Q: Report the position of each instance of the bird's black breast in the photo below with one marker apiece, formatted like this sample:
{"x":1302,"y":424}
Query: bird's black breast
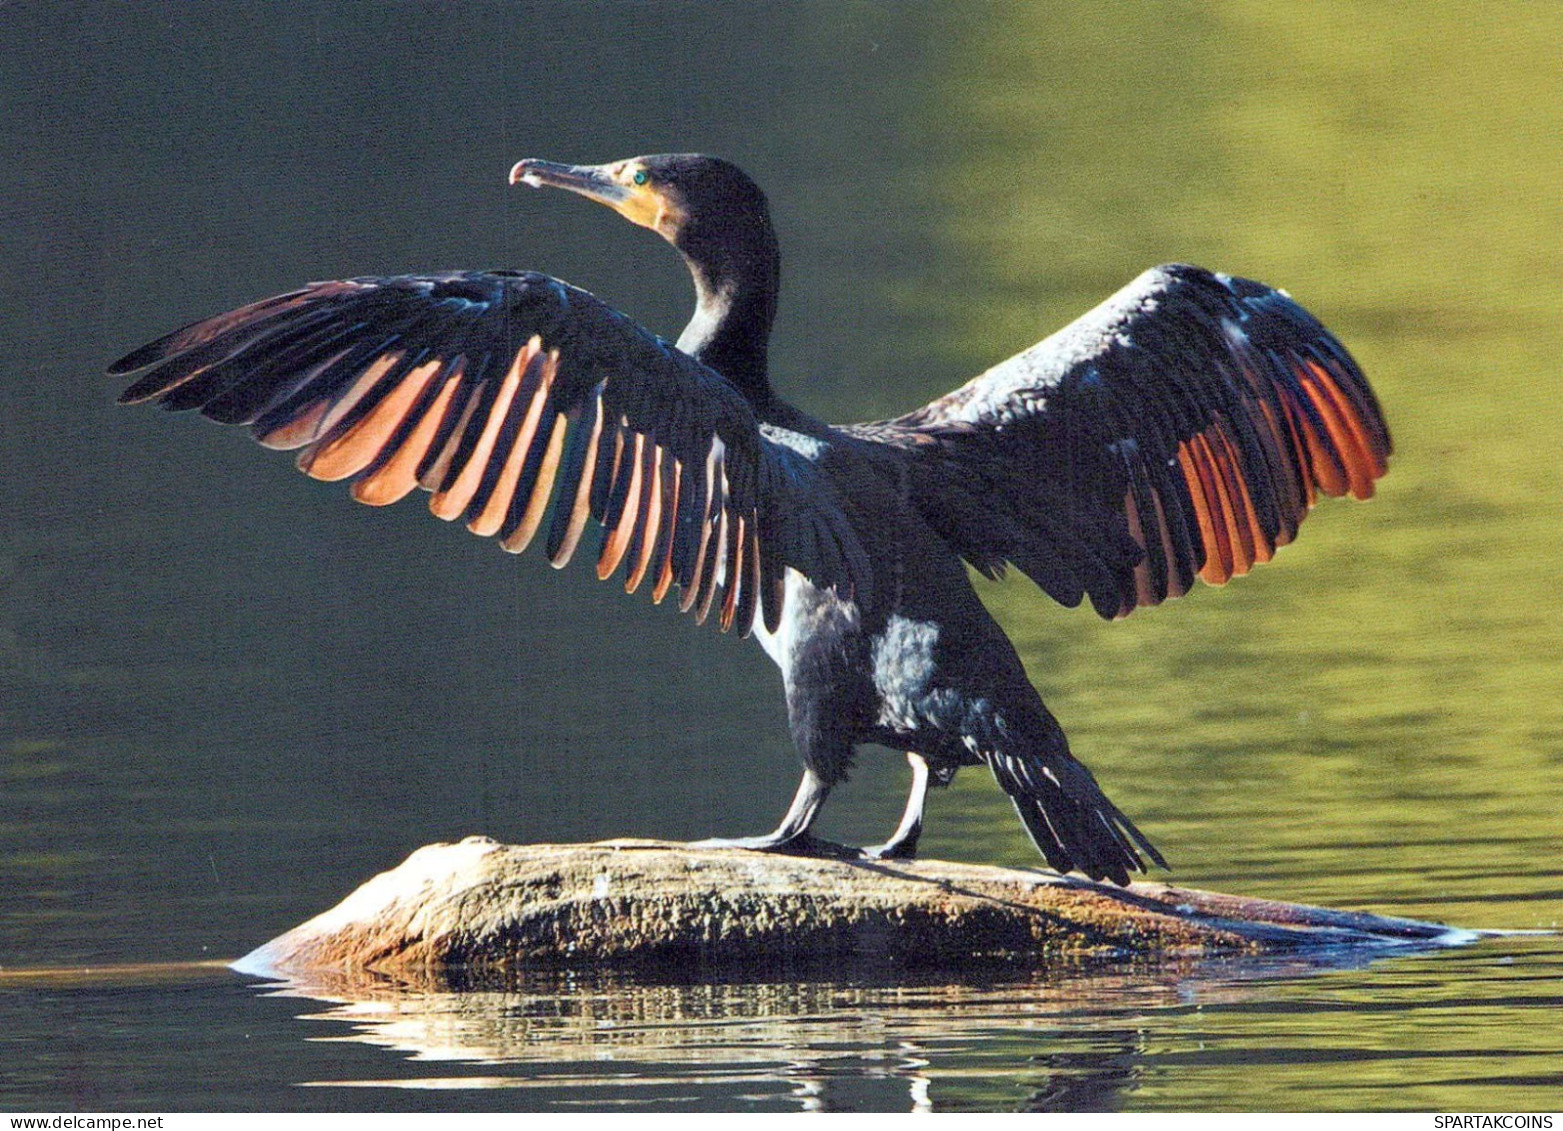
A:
{"x":903,"y":665}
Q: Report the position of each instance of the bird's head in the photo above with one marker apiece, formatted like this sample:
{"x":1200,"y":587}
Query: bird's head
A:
{"x":687,"y":198}
{"x":717,"y":218}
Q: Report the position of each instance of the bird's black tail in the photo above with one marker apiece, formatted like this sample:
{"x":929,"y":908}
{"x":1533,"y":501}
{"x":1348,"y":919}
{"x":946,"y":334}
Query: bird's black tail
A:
{"x":1070,"y":819}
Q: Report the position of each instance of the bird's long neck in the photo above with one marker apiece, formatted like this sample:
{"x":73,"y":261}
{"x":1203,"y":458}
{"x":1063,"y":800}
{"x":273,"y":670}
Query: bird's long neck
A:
{"x":735,"y":303}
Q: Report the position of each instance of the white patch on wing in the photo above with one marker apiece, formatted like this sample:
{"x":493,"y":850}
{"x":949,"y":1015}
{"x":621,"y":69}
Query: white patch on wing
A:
{"x":716,"y":490}
{"x":1020,"y":384}
{"x":809,"y":447}
{"x":903,"y":666}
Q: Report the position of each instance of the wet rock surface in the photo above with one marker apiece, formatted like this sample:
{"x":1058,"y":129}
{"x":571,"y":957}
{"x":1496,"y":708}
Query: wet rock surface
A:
{"x":485,"y":905}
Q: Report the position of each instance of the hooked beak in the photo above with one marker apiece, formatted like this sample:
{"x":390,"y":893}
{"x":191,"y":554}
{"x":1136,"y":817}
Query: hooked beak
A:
{"x":642,"y":204}
{"x":591,"y":181}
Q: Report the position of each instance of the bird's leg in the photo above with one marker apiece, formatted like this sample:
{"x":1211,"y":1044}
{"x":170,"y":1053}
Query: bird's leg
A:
{"x":902,"y":845}
{"x":792,"y":836}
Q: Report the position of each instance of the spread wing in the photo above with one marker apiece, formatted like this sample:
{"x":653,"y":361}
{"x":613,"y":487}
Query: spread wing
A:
{"x":1183,"y":427}
{"x":498,"y":391}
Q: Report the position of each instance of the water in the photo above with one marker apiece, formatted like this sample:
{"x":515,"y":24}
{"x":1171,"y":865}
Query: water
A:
{"x":227,"y":695}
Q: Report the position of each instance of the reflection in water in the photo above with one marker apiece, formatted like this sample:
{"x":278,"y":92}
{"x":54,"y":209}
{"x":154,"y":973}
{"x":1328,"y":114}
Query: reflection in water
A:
{"x":1076,"y":1038}
{"x":815,"y":1043}
{"x":226,"y":697}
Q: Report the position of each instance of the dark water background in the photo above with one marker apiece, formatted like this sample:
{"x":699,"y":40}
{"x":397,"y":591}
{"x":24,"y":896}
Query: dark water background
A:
{"x":228,"y":695}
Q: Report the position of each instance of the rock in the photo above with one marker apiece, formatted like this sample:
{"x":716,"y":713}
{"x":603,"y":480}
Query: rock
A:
{"x":484,"y":905}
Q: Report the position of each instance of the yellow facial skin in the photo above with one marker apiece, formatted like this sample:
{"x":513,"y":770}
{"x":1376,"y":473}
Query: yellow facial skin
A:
{"x":625,"y":186}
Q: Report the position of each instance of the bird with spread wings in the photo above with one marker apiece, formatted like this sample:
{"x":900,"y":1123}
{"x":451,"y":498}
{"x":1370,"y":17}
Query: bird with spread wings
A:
{"x":1180,"y":430}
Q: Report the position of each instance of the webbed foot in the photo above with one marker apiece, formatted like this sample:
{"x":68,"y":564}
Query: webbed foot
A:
{"x":797,"y":844}
{"x":902,"y":844}
{"x":897,"y":848}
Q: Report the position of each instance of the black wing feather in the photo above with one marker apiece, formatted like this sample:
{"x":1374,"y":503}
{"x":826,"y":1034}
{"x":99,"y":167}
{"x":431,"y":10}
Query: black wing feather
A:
{"x":405,"y":381}
{"x":1182,"y":428}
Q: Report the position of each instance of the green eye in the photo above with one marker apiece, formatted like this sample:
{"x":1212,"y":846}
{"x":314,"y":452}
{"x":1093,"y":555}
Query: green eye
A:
{"x":640,"y":177}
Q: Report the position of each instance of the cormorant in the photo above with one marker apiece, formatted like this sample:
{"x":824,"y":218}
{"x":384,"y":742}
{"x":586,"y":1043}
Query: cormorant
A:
{"x":1182,"y":428}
